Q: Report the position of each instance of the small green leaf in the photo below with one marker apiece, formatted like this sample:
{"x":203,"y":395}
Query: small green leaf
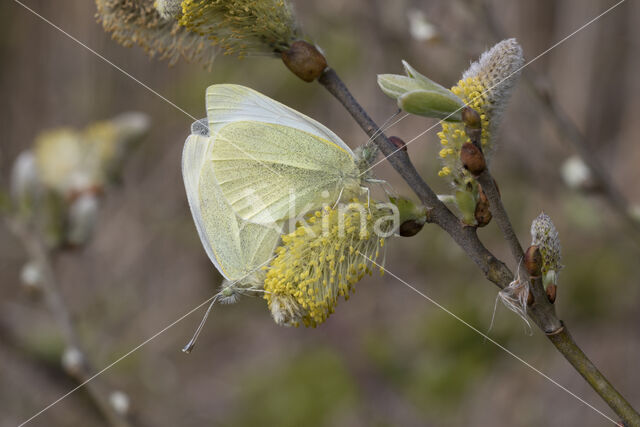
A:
{"x":431,"y":103}
{"x":426,"y":81}
{"x":417,"y":94}
{"x":466,"y":203}
{"x":408,"y":210}
{"x":394,"y":85}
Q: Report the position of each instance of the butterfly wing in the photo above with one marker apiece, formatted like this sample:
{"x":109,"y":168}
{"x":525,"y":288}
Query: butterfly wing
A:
{"x":235,"y":246}
{"x":270,"y":161}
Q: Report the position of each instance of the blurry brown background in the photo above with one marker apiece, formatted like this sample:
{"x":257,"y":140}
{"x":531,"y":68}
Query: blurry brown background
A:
{"x":387,"y":357}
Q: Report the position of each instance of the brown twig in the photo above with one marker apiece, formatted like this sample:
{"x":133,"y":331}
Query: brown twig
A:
{"x":79,"y":370}
{"x":567,"y":128}
{"x":542,"y":311}
{"x":575,"y":356}
{"x":466,"y":237}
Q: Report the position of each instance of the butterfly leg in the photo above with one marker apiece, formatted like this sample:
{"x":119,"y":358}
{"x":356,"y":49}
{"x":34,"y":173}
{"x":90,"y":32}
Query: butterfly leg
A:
{"x":368,"y":191}
{"x":339,"y":197}
{"x":389,"y":190}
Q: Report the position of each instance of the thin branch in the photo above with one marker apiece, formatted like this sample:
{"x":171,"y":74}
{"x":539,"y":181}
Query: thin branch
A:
{"x":575,"y":356}
{"x":542,"y":311}
{"x":80,"y":371}
{"x":466,"y":237}
{"x":567,"y":128}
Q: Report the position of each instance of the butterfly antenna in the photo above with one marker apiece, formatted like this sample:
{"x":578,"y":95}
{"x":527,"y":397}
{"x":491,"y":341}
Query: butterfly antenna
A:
{"x":388,"y":189}
{"x":384,"y":126}
{"x":192,"y":343}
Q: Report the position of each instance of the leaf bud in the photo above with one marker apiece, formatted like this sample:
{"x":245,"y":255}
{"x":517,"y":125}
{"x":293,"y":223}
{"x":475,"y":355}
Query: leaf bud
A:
{"x":551,"y":292}
{"x":483,"y":212}
{"x":533,"y":261}
{"x":472,"y":158}
{"x":398,"y":143}
{"x":412,"y":217}
{"x":304,"y":60}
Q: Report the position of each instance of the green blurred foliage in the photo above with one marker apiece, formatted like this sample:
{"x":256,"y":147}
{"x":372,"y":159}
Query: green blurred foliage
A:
{"x":436,"y":362}
{"x":307,"y":389}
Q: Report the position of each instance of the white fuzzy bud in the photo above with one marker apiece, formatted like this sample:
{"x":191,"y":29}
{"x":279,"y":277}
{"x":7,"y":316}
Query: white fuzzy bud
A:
{"x":31,"y":275}
{"x":545,"y":236}
{"x":72,"y":361}
{"x":419,"y":26}
{"x":169,"y":9}
{"x":498,"y":70}
{"x":575,"y":173}
{"x":131,"y":125}
{"x":83,"y":214}
{"x":24,"y":177}
{"x":120,"y":402}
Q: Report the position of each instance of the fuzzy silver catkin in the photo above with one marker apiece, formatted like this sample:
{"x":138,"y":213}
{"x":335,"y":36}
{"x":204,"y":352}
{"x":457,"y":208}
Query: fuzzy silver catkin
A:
{"x":139,"y":22}
{"x":498,"y":70}
{"x":242,"y":27}
{"x":169,"y":9}
{"x":485,"y":87}
{"x":545,"y":236}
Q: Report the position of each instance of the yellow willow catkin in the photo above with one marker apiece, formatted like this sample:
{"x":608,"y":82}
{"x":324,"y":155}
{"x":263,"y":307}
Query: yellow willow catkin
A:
{"x":137,"y":22}
{"x":322,"y":260}
{"x":70,"y":160}
{"x":485,"y":87}
{"x":242,"y":27}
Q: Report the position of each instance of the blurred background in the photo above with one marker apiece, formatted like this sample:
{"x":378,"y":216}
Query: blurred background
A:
{"x":387,"y":357}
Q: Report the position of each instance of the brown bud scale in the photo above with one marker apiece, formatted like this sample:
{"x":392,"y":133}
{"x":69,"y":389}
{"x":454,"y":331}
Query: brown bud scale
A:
{"x":471,"y":118}
{"x":398,"y":143}
{"x":482,"y":213}
{"x":304,"y":60}
{"x":551,"y":293}
{"x":472,"y":158}
{"x":410,"y":228}
{"x":533,"y":261}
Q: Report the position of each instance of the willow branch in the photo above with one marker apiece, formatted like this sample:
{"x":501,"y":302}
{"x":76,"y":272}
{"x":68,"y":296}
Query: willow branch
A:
{"x":575,"y":356}
{"x":80,"y":371}
{"x":542,"y":311}
{"x":567,"y":128}
{"x":466,"y":237}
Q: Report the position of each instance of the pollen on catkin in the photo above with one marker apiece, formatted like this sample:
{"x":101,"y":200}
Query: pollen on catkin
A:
{"x":242,"y":27}
{"x":138,"y":22}
{"x":322,"y":259}
{"x":485,"y":87}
